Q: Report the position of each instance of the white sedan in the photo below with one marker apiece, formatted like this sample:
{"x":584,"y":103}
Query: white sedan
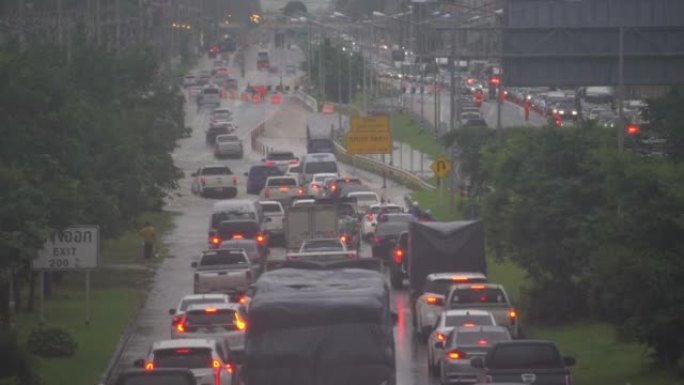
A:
{"x":447,"y":321}
{"x":430,"y":303}
{"x":195,"y":299}
{"x":316,"y":185}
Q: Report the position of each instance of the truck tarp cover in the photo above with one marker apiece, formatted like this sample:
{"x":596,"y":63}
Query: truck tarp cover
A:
{"x":436,"y":247}
{"x":320,"y":327}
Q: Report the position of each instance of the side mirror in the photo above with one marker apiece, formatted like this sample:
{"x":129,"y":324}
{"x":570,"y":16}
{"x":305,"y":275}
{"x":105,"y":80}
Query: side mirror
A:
{"x":439,"y":344}
{"x":139,"y":363}
{"x":395,"y":317}
{"x":569,"y":361}
{"x":194,"y":264}
{"x":477,"y":363}
{"x":172,"y":311}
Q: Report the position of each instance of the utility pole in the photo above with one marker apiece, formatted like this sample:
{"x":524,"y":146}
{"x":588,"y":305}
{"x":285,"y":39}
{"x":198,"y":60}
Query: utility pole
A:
{"x":452,"y":112}
{"x":310,"y":58}
{"x":339,"y":81}
{"x":621,"y":83}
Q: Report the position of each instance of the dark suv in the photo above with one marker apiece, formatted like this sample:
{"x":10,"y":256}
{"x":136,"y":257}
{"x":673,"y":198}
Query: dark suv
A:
{"x":257,"y":175}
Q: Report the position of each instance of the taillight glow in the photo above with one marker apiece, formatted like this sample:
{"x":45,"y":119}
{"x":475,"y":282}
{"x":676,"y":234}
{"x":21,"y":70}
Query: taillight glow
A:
{"x":239,"y":322}
{"x":377,"y":240}
{"x":370,"y":216}
{"x":459,"y":278}
{"x":180,"y":327}
{"x":469,"y":325}
{"x":512,"y":314}
{"x":215,"y":240}
{"x":315,"y":186}
{"x":398,"y":255}
{"x":482,"y":342}
{"x":283,"y":189}
{"x":229,"y":368}
{"x":261,"y":239}
{"x":210,"y":310}
{"x":238,"y":236}
{"x":242,"y":300}
{"x":294,"y":161}
{"x":477,"y":287}
{"x":182,"y":351}
{"x":216,"y":364}
{"x":268,"y":163}
{"x":440,"y":337}
{"x":300,"y":191}
{"x":343,"y":239}
{"x":431,"y":300}
{"x":456,"y":355}
{"x":149,"y":366}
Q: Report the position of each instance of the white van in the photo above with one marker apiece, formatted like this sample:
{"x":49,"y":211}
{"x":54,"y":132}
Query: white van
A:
{"x":317,"y":163}
{"x":210,"y":96}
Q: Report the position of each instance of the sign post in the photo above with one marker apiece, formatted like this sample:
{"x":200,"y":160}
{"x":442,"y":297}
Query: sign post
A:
{"x":74,"y":248}
{"x":441,"y":167}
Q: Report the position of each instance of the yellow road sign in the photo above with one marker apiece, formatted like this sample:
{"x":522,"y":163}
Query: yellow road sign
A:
{"x":375,"y":124}
{"x":441,"y":166}
{"x":369,"y":143}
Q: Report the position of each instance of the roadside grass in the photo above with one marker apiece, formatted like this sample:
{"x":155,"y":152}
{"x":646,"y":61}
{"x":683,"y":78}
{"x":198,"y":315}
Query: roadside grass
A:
{"x":115,"y":296}
{"x":128,"y":247}
{"x":406,"y":130}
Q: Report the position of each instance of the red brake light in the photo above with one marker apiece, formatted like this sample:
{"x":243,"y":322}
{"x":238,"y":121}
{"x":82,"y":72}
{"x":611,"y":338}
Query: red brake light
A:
{"x":333,"y":187}
{"x":469,"y":325}
{"x":398,"y":255}
{"x":300,"y":191}
{"x":315,"y":186}
{"x":459,"y":278}
{"x":215,"y":240}
{"x":216,"y":364}
{"x":293,"y":161}
{"x":441,"y":337}
{"x":431,"y":300}
{"x":456,"y":355}
{"x":283,"y":188}
{"x":268,"y":163}
{"x":149,"y":366}
{"x":370,"y":216}
{"x":512,"y":314}
{"x":175,"y":320}
{"x":182,"y":351}
{"x":238,"y":236}
{"x":477,"y":287}
{"x":242,"y":300}
{"x":346,"y":180}
{"x":261,"y":239}
{"x":210,"y":310}
{"x":180,"y":327}
{"x":343,"y":239}
{"x":229,"y":368}
{"x":482,"y":341}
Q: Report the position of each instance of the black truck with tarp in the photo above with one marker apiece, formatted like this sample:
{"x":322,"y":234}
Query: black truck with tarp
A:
{"x":311,"y":324}
{"x":442,"y":247}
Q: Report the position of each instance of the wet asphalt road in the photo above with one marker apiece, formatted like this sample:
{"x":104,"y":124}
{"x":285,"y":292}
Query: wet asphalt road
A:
{"x":285,"y":129}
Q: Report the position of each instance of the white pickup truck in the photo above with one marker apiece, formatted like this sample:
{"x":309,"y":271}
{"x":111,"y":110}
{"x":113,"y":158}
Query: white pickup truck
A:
{"x":214,"y":180}
{"x":223,"y":271}
{"x":274,"y":215}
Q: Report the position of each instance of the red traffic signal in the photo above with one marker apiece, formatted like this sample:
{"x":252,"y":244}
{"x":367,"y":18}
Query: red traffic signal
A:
{"x":632,"y":129}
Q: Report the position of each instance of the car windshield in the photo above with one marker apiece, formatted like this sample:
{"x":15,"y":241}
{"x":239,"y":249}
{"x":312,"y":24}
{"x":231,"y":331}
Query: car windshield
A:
{"x":221,"y":115}
{"x":271,"y":208}
{"x":280,"y":156}
{"x":319,"y":144}
{"x":398,"y":217}
{"x":221,"y":257}
{"x":264,"y":171}
{"x":483,"y":338}
{"x":189,"y":358}
{"x":210,"y":316}
{"x":439,"y":286}
{"x":210,"y":91}
{"x":199,"y":301}
{"x":282,"y":182}
{"x":392,"y":228}
{"x":462,"y":319}
{"x":366,"y":198}
{"x":321,"y":178}
{"x":216,"y":171}
{"x":491,"y":296}
{"x":248,"y":245}
{"x":537,"y":356}
{"x":316,"y":167}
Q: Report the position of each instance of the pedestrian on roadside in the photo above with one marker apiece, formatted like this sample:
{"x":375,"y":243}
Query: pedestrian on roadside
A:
{"x":149,"y":236}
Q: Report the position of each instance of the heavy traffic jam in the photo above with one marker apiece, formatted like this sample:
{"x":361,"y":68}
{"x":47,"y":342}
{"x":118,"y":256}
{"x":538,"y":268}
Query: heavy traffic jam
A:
{"x":301,"y":261}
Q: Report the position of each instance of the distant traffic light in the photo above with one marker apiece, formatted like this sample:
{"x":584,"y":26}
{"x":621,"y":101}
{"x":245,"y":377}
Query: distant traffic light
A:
{"x":632,"y":129}
{"x":495,"y":80}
